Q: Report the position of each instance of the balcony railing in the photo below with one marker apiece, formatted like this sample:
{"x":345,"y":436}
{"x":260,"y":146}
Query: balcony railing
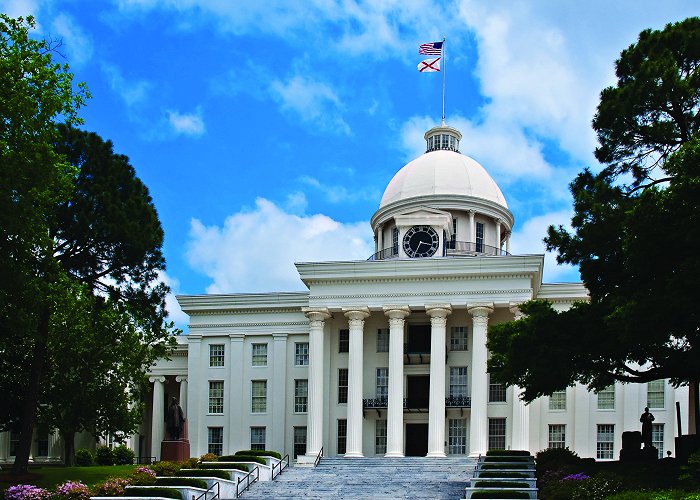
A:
{"x":451,"y":249}
{"x":383,"y":403}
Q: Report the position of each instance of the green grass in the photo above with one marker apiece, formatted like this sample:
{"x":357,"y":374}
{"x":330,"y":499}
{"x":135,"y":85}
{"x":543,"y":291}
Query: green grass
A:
{"x":49,"y":477}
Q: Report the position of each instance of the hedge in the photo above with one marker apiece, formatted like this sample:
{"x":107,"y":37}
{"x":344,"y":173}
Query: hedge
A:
{"x":241,"y":458}
{"x":508,"y":475}
{"x":515,"y":458}
{"x":504,"y":466}
{"x":260,"y":453}
{"x":138,"y":491}
{"x":500,"y":484}
{"x":522,"y":453}
{"x":243,"y":467}
{"x":500,"y":494}
{"x":182,"y":481}
{"x":221,"y":474}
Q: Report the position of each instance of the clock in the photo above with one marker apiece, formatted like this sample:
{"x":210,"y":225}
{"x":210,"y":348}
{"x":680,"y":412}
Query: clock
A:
{"x":421,"y":241}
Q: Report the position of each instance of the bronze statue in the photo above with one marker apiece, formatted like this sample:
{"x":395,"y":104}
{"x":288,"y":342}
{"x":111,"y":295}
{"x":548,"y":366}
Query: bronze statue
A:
{"x":175,"y":419}
{"x":646,"y":419}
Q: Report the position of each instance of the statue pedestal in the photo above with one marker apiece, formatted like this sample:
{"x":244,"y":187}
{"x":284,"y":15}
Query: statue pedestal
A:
{"x":175,"y":450}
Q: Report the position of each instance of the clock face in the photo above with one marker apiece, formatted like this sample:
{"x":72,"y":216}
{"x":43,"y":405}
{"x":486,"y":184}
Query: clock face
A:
{"x":421,"y":241}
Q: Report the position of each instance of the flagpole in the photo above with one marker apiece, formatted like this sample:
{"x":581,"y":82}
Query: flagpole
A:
{"x":444,"y":69}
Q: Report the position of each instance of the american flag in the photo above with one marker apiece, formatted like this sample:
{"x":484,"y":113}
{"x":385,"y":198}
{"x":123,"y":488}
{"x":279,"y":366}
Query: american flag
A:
{"x":431,"y":49}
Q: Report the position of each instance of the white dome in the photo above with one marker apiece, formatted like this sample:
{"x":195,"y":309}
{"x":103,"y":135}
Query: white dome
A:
{"x":439,"y":173}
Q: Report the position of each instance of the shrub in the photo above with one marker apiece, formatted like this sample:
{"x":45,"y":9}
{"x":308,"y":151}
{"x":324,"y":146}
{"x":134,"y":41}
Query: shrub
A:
{"x":143,"y":476}
{"x":112,"y":487}
{"x":229,"y":465}
{"x":190,"y":463}
{"x":26,"y":492}
{"x":500,"y":494}
{"x":506,"y":459}
{"x":520,"y":453}
{"x":182,"y":481}
{"x":242,"y":458}
{"x":123,"y":455}
{"x":580,"y":476}
{"x":509,"y":475}
{"x":84,"y":457}
{"x":154,"y":492}
{"x":691,"y":473}
{"x":504,"y":466}
{"x":166,"y":468}
{"x":104,"y":455}
{"x":221,"y":474}
{"x":596,"y":488}
{"x":500,"y":484}
{"x":74,"y":490}
{"x":208,"y":457}
{"x":259,"y":453}
{"x":555,"y":458}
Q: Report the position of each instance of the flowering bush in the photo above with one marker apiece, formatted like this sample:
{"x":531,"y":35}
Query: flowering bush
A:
{"x":576,"y":477}
{"x":26,"y":492}
{"x":143,"y":476}
{"x":74,"y":490}
{"x":112,"y":487}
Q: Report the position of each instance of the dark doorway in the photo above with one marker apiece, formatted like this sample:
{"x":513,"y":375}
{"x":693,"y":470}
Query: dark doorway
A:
{"x":418,"y":339}
{"x":417,"y":392}
{"x":416,"y":440}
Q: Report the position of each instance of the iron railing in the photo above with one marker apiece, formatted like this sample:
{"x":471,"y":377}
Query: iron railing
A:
{"x":318,"y":457}
{"x":458,"y":402}
{"x":203,"y":496}
{"x":383,"y":403}
{"x":248,"y":479}
{"x":285,"y":461}
{"x":450,"y":249}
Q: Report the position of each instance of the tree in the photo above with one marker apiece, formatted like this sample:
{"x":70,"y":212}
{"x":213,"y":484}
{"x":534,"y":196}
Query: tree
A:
{"x":635,"y":237}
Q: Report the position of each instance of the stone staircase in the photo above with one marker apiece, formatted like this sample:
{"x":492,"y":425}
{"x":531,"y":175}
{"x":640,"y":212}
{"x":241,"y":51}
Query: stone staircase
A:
{"x":375,"y":478}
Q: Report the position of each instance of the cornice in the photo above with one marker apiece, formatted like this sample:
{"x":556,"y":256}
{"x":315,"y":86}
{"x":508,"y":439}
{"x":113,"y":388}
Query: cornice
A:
{"x":244,"y":302}
{"x":268,"y":310}
{"x":394,"y":295}
{"x":249,"y":325}
{"x":563,"y":292}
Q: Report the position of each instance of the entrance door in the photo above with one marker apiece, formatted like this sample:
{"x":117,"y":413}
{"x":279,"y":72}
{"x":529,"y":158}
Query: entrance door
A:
{"x":416,"y":440}
{"x":299,"y":441}
{"x":417,"y":391}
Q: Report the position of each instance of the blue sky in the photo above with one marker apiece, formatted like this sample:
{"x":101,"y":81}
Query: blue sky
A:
{"x":267,"y":131}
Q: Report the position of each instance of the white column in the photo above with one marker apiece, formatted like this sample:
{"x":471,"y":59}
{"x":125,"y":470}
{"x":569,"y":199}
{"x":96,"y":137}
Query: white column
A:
{"x":380,"y":238}
{"x":314,"y":426}
{"x":276,"y":433}
{"x":4,"y":445}
{"x":182,"y":379}
{"x":479,"y":423}
{"x":521,"y":412}
{"x":356,"y":322}
{"x":436,"y":412}
{"x":498,"y":235}
{"x":238,"y":435}
{"x":55,"y":450}
{"x":508,"y":242}
{"x":472,"y":227}
{"x":394,"y":425}
{"x":158,"y":416}
{"x":197,"y":391}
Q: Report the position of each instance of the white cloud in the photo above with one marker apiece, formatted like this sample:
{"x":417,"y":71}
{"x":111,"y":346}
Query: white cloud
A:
{"x":17,"y":8}
{"x":338,"y":193}
{"x":75,"y":42}
{"x":175,"y":313}
{"x":187,"y":124}
{"x":255,"y":250}
{"x":312,"y":102}
{"x":131,"y":92}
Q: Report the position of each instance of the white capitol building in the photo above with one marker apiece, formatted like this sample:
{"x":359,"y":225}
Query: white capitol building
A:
{"x":387,"y":357}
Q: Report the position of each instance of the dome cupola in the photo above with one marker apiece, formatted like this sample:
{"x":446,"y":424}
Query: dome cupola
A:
{"x":442,"y":138}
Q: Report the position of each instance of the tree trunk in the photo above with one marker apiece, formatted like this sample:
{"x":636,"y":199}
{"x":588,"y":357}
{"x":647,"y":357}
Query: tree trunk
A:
{"x":31,"y":397}
{"x":68,"y":448}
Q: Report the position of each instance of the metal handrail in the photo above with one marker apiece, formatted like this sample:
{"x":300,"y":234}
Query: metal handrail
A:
{"x":145,"y":460}
{"x":281,"y":467}
{"x":204,"y":495}
{"x":247,"y":478}
{"x":318,"y":457}
{"x":450,"y":249}
{"x":458,"y":402}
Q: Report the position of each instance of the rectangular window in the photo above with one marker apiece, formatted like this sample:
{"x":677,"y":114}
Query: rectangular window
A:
{"x":259,"y":354}
{"x":479,"y":237}
{"x":344,"y":340}
{"x":342,"y":385}
{"x":458,"y":338}
{"x":215,"y":442}
{"x":382,"y":340}
{"x":557,"y":401}
{"x":216,"y":355}
{"x":606,"y":398}
{"x":379,"y":437}
{"x":497,"y":433}
{"x":557,"y":436}
{"x":497,"y":392}
{"x":42,"y":443}
{"x":395,"y":241}
{"x":301,"y":354}
{"x":458,"y":381}
{"x":342,"y":435}
{"x":301,"y":396}
{"x":257,"y":438}
{"x":216,"y":396}
{"x":605,"y":441}
{"x":14,"y":443}
{"x":655,"y":394}
{"x":657,"y":438}
{"x":299,"y":441}
{"x":382,"y":391}
{"x":457,"y":436}
{"x":258,"y":396}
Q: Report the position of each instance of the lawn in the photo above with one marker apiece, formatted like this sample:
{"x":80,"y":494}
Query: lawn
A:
{"x":49,"y":477}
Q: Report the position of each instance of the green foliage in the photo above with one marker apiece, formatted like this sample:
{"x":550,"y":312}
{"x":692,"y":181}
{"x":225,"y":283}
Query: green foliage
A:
{"x":208,"y":457}
{"x":488,"y":466}
{"x":648,"y":127}
{"x":259,"y":453}
{"x":190,"y":463}
{"x":241,"y":458}
{"x":182,"y":481}
{"x":221,"y":474}
{"x":500,"y":494}
{"x":690,"y":473}
{"x":84,"y":457}
{"x":555,"y":458}
{"x":500,"y":484}
{"x":508,"y":475}
{"x":654,"y":495}
{"x":503,"y":453}
{"x":227,"y":465}
{"x":136,"y":491}
{"x":104,"y":455}
{"x":165,"y":468}
{"x":123,"y":455}
{"x":506,"y":458}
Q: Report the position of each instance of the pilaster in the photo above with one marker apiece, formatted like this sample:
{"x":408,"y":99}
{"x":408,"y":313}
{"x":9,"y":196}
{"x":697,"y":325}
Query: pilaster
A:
{"x":521,"y":412}
{"x":182,"y":380}
{"x":436,"y":412}
{"x":314,"y":439}
{"x":236,"y":437}
{"x":479,"y":424}
{"x":195,"y":392}
{"x":276,"y":433}
{"x":158,"y":415}
{"x":356,"y":322}
{"x":394,"y":438}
